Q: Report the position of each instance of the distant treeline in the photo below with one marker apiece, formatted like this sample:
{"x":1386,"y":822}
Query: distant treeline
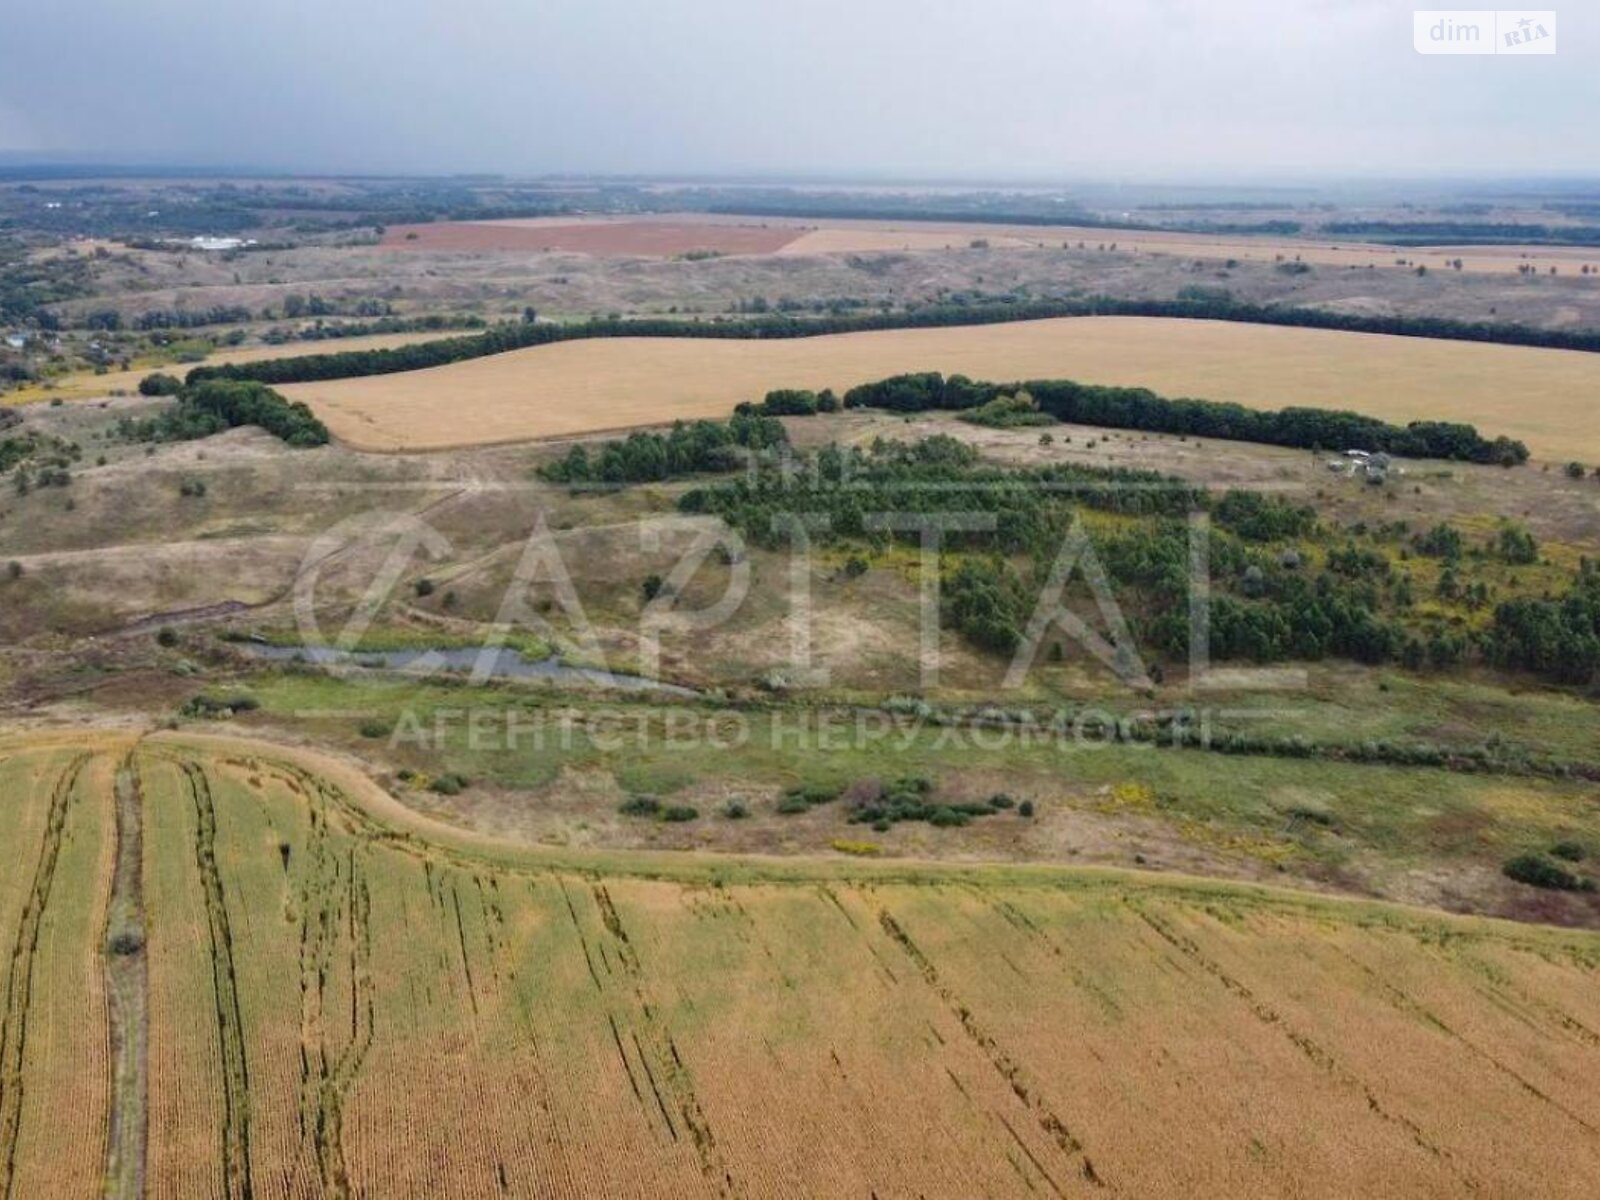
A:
{"x":1429,"y":233}
{"x":1140,"y":408}
{"x":521,"y":335}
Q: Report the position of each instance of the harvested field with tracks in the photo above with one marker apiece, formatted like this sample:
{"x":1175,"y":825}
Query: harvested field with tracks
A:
{"x":346,"y":999}
{"x":1543,"y":397}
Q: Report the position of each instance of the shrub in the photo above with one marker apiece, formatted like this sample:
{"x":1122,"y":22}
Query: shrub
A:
{"x":735,"y":810}
{"x":791,"y":804}
{"x":947,"y":817}
{"x":651,"y":587}
{"x":1535,"y":870}
{"x":1000,"y":801}
{"x":167,"y":636}
{"x":449,"y":784}
{"x":423,"y":587}
{"x":14,"y":570}
{"x":1575,"y":470}
{"x":679,"y":813}
{"x":215,"y":706}
{"x":640,"y":806}
{"x":1025,"y":809}
{"x":810,"y":794}
{"x":158,"y":384}
{"x":373,"y":728}
{"x":1569,"y":851}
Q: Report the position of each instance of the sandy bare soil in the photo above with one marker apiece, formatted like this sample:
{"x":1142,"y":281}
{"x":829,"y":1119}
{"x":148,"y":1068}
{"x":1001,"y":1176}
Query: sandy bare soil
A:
{"x":1544,"y":397}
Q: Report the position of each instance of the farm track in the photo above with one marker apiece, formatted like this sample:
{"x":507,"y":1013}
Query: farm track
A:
{"x":19,"y":974}
{"x":335,"y":907}
{"x":236,"y":1168}
{"x":127,"y":971}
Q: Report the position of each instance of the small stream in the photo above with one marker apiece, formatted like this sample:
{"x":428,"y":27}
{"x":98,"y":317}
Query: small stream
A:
{"x":500,"y":662}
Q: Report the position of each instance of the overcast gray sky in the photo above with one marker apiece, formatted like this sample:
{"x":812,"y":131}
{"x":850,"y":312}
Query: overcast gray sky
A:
{"x":1156,"y":89}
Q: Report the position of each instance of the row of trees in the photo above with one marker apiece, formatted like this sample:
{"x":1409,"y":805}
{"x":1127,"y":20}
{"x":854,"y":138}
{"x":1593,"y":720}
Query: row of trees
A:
{"x":1140,"y":408}
{"x":210,"y":407}
{"x":1210,"y":306}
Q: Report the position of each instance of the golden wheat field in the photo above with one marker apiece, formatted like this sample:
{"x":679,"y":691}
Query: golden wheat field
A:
{"x":1544,"y":397}
{"x":344,"y":999}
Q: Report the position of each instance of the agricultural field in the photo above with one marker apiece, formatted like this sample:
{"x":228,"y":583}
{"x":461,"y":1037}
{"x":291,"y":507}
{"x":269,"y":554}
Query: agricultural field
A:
{"x":670,"y":234}
{"x":573,"y":388}
{"x":605,"y":238}
{"x":579,"y":1023}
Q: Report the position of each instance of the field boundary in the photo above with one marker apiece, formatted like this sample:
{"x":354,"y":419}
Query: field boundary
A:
{"x":386,"y":821}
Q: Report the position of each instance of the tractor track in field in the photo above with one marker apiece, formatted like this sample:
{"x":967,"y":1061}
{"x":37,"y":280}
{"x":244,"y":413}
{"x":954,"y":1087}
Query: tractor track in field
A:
{"x":237,"y":1181}
{"x":19,"y":973}
{"x":1008,"y":1068}
{"x":335,"y":906}
{"x":1313,"y":1050}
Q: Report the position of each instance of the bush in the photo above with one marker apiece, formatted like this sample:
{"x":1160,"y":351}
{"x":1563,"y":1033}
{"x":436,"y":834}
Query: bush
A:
{"x":735,"y":810}
{"x":791,"y":804}
{"x":14,"y":570}
{"x":423,"y":587}
{"x":651,"y":587}
{"x":449,"y":784}
{"x":1575,"y":470}
{"x":640,"y":806}
{"x":160,"y":385}
{"x":373,"y":728}
{"x":1025,"y":809}
{"x":679,"y":813}
{"x":219,"y":706}
{"x":1569,"y":851}
{"x":1535,"y":870}
{"x":167,"y":636}
{"x":810,"y":794}
{"x":947,"y":817}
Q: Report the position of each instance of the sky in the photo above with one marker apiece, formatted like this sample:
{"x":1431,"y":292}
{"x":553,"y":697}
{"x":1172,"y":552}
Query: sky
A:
{"x":956,"y":89}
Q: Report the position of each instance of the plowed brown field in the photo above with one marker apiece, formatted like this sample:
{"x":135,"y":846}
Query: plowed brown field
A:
{"x":644,"y":239}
